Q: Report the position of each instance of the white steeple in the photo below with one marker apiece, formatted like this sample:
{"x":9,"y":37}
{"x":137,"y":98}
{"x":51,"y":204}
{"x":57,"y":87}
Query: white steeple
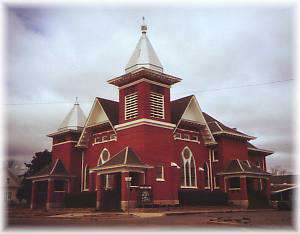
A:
{"x":144,"y":54}
{"x":74,"y":120}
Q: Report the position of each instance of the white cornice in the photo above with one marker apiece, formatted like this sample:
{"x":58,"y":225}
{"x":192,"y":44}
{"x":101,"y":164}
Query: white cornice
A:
{"x":144,"y":80}
{"x":65,"y":142}
{"x":144,"y":121}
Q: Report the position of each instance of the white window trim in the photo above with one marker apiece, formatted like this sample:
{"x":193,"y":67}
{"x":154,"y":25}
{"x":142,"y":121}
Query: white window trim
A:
{"x":184,"y":160}
{"x":234,"y":189}
{"x":102,"y":142}
{"x":213,"y":156}
{"x":162,"y":178}
{"x":107,"y":185}
{"x":85,"y":188}
{"x":102,"y":138}
{"x":157,"y":105}
{"x":100,"y":160}
{"x":131,"y":106}
{"x":215,"y":183}
{"x":180,"y":137}
{"x":208,"y":177}
{"x":189,"y":187}
{"x":112,"y":137}
{"x":185,"y":134}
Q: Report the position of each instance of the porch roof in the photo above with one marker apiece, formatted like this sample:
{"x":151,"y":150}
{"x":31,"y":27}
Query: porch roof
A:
{"x":56,"y":170}
{"x":126,"y":159}
{"x":243,"y":167}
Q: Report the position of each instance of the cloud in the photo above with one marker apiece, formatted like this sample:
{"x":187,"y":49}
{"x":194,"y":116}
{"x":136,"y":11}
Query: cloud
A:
{"x":55,"y":54}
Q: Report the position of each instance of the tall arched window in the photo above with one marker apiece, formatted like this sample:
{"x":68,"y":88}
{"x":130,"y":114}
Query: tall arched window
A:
{"x":86,"y":177}
{"x":104,"y":156}
{"x":188,"y":169}
{"x":206,"y":176}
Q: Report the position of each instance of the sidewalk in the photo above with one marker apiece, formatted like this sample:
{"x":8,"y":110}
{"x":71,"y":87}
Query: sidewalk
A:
{"x":78,"y":213}
{"x":156,"y":212}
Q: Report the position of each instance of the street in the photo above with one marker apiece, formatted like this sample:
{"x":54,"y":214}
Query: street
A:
{"x":71,"y":219}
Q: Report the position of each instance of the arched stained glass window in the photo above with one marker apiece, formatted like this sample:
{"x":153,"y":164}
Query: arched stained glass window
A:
{"x":188,"y":169}
{"x":104,"y":156}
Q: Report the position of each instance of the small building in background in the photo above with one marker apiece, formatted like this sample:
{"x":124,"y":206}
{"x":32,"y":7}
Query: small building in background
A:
{"x":283,"y":188}
{"x":12,"y":185}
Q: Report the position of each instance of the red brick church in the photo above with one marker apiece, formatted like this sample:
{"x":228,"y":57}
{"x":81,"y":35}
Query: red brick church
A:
{"x":166,"y":150}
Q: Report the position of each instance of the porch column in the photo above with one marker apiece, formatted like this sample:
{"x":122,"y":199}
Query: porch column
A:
{"x":256,"y":184}
{"x":124,"y":205}
{"x":33,"y":195}
{"x":268,"y":188}
{"x":224,"y":184}
{"x":91,"y":180}
{"x":243,"y":192}
{"x":50,"y":191}
{"x":70,"y":185}
{"x":99,"y":191}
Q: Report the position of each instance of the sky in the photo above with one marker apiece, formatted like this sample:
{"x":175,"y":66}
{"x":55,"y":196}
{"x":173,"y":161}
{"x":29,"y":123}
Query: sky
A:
{"x":57,"y":53}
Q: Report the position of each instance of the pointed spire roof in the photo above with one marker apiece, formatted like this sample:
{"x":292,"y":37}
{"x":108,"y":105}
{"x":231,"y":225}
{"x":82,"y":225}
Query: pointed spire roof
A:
{"x":74,"y":120}
{"x":144,"y":54}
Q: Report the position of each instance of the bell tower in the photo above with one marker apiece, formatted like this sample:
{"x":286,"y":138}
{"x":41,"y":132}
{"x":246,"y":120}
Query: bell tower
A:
{"x":144,"y":90}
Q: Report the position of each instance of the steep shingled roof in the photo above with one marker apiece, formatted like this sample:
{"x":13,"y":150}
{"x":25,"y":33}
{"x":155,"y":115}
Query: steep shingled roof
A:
{"x":243,"y":167}
{"x":125,"y":157}
{"x":178,"y":107}
{"x":111,"y":109}
{"x":57,"y":168}
{"x":252,"y":147}
{"x":218,"y":127}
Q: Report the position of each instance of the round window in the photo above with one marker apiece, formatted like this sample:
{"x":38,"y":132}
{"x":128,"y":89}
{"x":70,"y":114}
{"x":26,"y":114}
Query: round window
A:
{"x":186,"y":154}
{"x":104,"y":156}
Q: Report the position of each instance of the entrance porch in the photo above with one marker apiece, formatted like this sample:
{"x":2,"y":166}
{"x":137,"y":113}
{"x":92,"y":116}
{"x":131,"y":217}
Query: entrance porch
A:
{"x":246,"y":184}
{"x":119,"y":181}
{"x":50,"y":185}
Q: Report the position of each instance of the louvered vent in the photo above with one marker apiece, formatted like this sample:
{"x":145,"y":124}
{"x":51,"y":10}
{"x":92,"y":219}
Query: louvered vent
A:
{"x":131,"y":106}
{"x":157,"y":105}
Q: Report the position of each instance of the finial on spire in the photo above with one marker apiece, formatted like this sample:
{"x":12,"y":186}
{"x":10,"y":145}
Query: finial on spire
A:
{"x":144,"y":26}
{"x":76,"y":101}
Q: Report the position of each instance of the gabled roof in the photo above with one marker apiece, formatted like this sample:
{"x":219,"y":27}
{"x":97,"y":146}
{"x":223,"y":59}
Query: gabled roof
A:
{"x":57,"y":169}
{"x":178,"y":107}
{"x":216,"y":127}
{"x":253,"y":148}
{"x":237,"y":166}
{"x":144,"y":55}
{"x":125,"y":158}
{"x":103,"y":112}
{"x":111,"y":109}
{"x":219,"y":128}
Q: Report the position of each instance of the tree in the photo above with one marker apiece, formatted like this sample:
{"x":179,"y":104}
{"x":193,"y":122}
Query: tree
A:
{"x":38,"y":162}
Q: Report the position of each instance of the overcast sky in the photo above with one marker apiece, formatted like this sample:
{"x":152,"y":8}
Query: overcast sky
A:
{"x":57,"y":53}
